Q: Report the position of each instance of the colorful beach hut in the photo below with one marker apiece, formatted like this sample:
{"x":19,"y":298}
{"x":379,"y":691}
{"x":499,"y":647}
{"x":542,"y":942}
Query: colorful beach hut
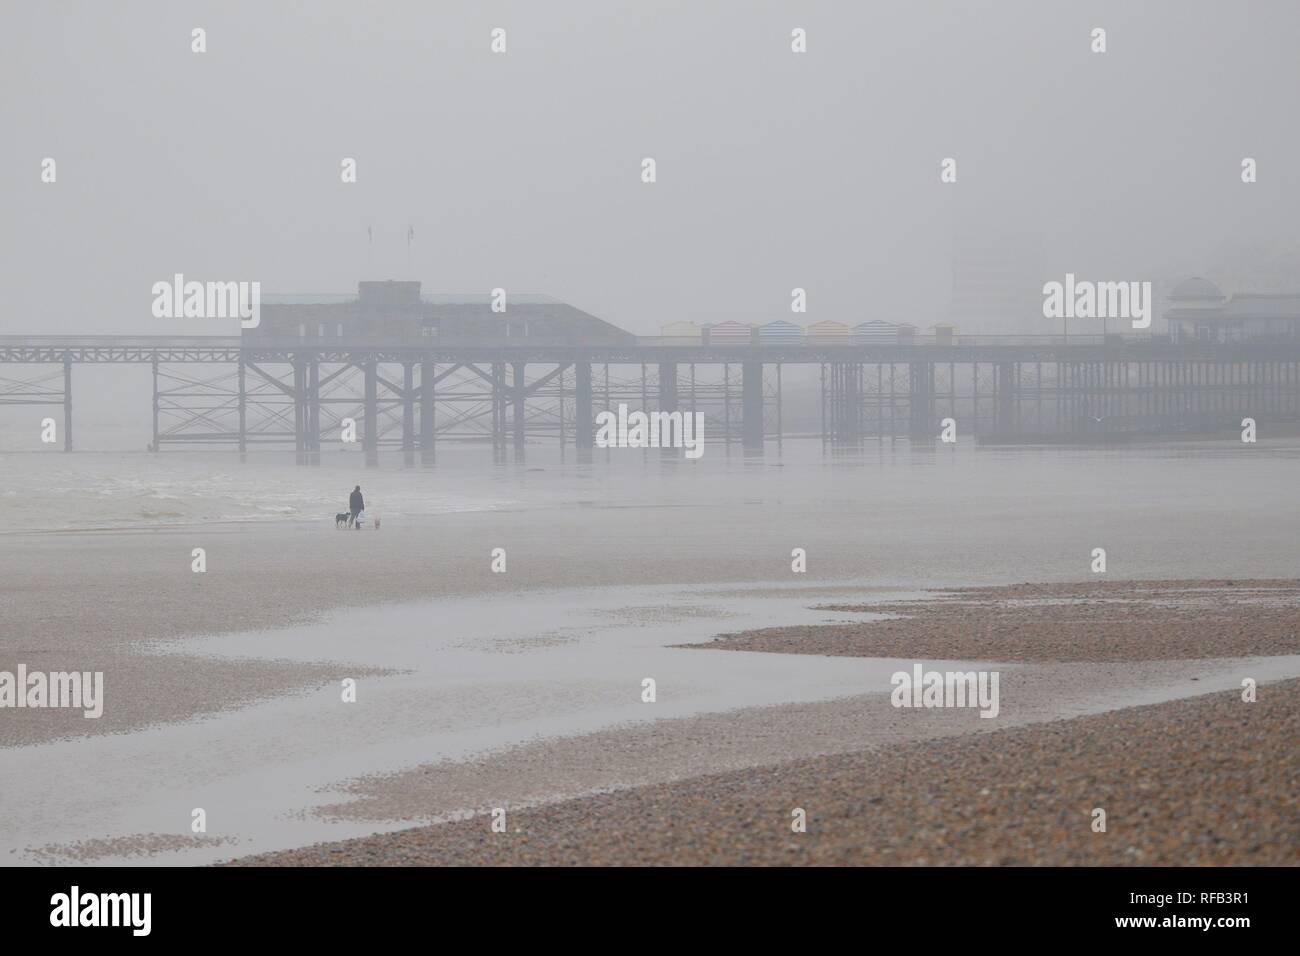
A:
{"x":730,"y":333}
{"x":780,"y":332}
{"x":875,"y":332}
{"x":828,"y":332}
{"x":681,"y":333}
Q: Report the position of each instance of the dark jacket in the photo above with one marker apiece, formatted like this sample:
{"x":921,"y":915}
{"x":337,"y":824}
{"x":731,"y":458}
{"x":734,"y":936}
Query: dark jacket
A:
{"x":355,"y":503}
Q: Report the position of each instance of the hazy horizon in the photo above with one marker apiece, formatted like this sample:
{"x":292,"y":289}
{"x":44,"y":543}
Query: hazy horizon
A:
{"x":522,"y":170}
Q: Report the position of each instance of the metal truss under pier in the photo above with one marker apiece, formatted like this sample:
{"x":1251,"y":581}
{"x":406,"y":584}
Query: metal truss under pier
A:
{"x":1046,"y":401}
{"x":415,"y":405}
{"x":217,"y":391}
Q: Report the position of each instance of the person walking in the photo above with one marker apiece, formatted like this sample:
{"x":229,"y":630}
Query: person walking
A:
{"x":356,"y":504}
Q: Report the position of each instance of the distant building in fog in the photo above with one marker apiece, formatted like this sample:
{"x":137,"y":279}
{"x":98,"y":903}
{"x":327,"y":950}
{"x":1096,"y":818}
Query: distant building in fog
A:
{"x":398,"y":313}
{"x":1197,"y":310}
{"x":997,"y":283}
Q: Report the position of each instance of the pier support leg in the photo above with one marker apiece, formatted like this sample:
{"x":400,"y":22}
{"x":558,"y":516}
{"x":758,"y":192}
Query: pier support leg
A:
{"x":67,"y":403}
{"x":780,"y":430}
{"x":922,"y":425}
{"x":846,"y":403}
{"x":1005,"y":424}
{"x":667,"y":386}
{"x":582,"y":405}
{"x":751,"y":422}
{"x":517,"y":394}
{"x":370,"y":426}
{"x":299,"y":410}
{"x":243,"y":410}
{"x":313,"y":412}
{"x":154,"y":446}
{"x":408,"y":414}
{"x":498,"y":411}
{"x":825,"y":434}
{"x":426,"y":412}
{"x":668,"y":395}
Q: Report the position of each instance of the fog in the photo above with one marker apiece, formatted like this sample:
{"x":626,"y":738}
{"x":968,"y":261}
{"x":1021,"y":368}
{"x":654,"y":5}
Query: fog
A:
{"x":522,"y":170}
{"x":319,"y":621}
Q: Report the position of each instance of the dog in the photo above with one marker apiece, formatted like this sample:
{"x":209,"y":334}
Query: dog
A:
{"x":342,"y":519}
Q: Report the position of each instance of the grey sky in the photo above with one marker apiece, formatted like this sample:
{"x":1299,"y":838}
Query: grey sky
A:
{"x":522,"y":170}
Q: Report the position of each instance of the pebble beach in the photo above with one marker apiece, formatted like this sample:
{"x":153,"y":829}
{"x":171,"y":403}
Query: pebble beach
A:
{"x":1205,"y":781}
{"x":1208,"y":779}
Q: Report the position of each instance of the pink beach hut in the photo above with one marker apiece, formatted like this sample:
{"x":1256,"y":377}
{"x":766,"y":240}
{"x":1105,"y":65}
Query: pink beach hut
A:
{"x":730,"y":333}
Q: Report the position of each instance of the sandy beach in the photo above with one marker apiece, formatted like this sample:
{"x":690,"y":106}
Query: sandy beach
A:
{"x":479,"y":690}
{"x":98,"y":600}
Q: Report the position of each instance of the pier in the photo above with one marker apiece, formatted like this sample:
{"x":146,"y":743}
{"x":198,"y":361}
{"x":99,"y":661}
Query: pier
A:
{"x":230,"y":392}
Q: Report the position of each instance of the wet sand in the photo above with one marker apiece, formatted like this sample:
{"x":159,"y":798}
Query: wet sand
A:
{"x":92,"y":601}
{"x":98,"y":600}
{"x":129,"y":604}
{"x":105,"y":601}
